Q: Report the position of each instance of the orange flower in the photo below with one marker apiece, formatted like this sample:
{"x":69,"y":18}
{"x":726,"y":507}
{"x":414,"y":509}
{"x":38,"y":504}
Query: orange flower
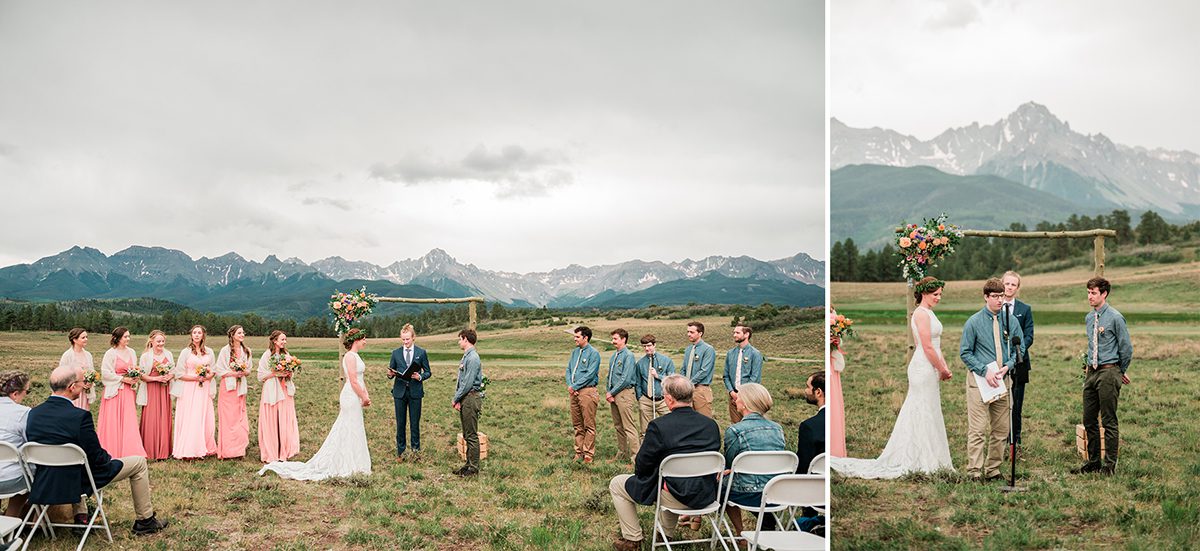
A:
{"x":921,"y":245}
{"x":941,"y":227}
{"x":905,"y":242}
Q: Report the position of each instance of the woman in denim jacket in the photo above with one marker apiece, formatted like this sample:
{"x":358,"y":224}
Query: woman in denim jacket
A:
{"x":753,"y":433}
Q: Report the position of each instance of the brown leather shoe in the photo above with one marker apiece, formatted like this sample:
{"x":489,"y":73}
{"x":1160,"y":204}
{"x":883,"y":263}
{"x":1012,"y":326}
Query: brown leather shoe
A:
{"x":623,"y":544}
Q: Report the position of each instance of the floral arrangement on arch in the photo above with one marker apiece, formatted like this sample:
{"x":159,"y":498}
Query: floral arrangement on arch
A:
{"x":839,"y":328}
{"x":350,"y":307}
{"x":921,"y":246}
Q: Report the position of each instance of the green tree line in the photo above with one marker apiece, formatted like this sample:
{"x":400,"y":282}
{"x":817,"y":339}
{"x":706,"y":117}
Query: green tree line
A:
{"x":1152,"y":240}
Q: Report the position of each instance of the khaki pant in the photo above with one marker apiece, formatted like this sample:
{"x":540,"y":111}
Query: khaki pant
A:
{"x":702,"y":400}
{"x":626,"y":508}
{"x":624,"y":414}
{"x":134,"y":468}
{"x":649,"y":410}
{"x":984,"y":421}
{"x":583,"y":418}
{"x":735,"y":416}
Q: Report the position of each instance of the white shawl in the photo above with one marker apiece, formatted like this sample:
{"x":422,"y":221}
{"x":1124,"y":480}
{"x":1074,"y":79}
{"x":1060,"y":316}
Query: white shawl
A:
{"x":108,"y":371}
{"x":181,"y":368}
{"x":68,"y":358}
{"x":273,"y":390}
{"x":222,"y":368}
{"x":147,"y":363}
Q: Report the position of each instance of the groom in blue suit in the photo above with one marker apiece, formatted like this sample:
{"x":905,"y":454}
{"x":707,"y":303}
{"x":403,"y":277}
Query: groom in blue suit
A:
{"x":408,"y":390}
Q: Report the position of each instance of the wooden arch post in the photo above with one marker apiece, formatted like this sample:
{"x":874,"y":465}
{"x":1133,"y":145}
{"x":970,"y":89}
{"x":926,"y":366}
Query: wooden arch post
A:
{"x":1097,"y":236}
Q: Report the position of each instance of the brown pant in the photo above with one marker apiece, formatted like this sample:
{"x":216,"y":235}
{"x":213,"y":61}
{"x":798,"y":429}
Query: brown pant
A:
{"x":583,"y":418}
{"x":134,"y":468}
{"x":702,"y":400}
{"x":735,"y":416}
{"x":624,"y":414}
{"x":649,"y":410}
{"x":984,"y":421}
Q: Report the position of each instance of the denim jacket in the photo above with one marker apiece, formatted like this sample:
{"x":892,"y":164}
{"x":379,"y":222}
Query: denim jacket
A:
{"x":754,"y":433}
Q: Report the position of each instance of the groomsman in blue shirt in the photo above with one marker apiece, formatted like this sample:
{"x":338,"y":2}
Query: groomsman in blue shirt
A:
{"x":743,"y":364}
{"x":1109,"y":353}
{"x":621,"y":393}
{"x":699,"y":361}
{"x":987,"y":350}
{"x":651,"y":370}
{"x":583,"y":374}
{"x":468,"y":399}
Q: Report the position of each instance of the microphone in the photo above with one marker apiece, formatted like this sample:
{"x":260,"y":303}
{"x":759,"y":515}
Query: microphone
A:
{"x":1016,"y":343}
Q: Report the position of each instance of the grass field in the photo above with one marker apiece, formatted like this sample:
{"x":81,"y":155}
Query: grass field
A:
{"x":530,"y":495}
{"x":1151,"y":503}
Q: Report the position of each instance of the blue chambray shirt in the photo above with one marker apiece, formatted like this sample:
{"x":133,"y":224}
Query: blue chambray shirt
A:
{"x":662,"y":364}
{"x":703,"y":359}
{"x":978,"y":349}
{"x":622,"y":371}
{"x":470,"y":375}
{"x":585,"y":362}
{"x":1114,"y":345}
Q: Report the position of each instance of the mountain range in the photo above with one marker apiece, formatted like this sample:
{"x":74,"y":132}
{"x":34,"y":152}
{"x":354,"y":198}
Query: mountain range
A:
{"x":231,"y":283}
{"x":1034,"y":148}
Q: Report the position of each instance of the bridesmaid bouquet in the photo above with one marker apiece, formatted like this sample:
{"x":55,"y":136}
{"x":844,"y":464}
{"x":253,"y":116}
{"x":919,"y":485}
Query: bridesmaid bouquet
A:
{"x":348,"y":307}
{"x":239,"y":366}
{"x":91,"y":376}
{"x":161,"y":367}
{"x":134,"y":373}
{"x":203,"y":371}
{"x":284,"y":363}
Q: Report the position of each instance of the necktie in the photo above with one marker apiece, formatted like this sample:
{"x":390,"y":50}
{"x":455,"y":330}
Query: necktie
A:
{"x":687,"y":363}
{"x":650,"y":389}
{"x":737,"y":377}
{"x":576,"y":366}
{"x":407,"y":357}
{"x":1095,"y":340}
{"x":996,"y":339}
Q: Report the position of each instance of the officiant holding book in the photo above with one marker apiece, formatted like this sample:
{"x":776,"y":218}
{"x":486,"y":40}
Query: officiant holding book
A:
{"x":991,"y":339}
{"x":409,"y":368}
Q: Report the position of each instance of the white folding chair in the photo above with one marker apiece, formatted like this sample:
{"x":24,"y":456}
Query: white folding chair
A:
{"x":795,"y":490}
{"x":819,"y":464}
{"x":64,"y":455}
{"x":756,"y":463}
{"x":10,"y":526}
{"x":688,"y":465}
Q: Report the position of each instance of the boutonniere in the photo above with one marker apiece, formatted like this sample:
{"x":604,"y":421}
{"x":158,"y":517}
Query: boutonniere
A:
{"x":695,"y":356}
{"x":745,"y":359}
{"x":584,"y":360}
{"x":1101,"y":329}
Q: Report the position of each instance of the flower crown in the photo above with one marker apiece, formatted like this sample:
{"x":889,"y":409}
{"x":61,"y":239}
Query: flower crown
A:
{"x":357,"y":336}
{"x":929,"y":286}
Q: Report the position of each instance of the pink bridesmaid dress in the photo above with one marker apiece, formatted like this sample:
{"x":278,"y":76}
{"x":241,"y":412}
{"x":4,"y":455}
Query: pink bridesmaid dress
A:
{"x":156,"y":419}
{"x":194,"y":421}
{"x":278,"y":431}
{"x":233,"y":424}
{"x":836,"y":405}
{"x":118,"y":423}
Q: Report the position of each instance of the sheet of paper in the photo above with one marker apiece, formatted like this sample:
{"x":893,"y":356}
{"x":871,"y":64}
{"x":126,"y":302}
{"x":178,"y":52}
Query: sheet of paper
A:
{"x":988,"y":393}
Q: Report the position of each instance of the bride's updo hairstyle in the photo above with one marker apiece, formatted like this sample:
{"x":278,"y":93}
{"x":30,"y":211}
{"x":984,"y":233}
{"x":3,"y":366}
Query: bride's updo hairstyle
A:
{"x":351,"y":336}
{"x":756,"y":398}
{"x":927,"y":285}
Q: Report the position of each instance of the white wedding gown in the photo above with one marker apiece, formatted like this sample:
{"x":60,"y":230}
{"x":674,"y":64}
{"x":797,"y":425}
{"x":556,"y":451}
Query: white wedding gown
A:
{"x":918,"y":442}
{"x":344,"y":452}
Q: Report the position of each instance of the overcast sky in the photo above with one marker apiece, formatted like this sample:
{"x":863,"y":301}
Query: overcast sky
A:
{"x":517,"y":136}
{"x":1125,"y":69}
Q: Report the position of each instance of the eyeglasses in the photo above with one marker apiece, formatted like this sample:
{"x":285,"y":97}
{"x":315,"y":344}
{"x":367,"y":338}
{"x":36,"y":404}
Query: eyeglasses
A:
{"x":995,"y":295}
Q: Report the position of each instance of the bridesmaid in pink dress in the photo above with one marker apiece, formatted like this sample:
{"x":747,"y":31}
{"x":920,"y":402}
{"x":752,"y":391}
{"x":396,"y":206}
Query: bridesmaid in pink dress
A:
{"x":233,"y":425}
{"x":156,"y":399}
{"x":278,"y":433}
{"x":78,"y":356}
{"x":836,"y":406}
{"x":194,"y":391}
{"x":118,"y":423}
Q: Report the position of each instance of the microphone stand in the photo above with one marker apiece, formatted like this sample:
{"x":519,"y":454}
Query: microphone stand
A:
{"x":1012,"y":435}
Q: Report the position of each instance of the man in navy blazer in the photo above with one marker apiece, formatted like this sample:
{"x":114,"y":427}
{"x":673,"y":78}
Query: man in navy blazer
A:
{"x":407,"y":391}
{"x":1024,"y":315}
{"x":58,"y":421}
{"x":810,"y":438}
{"x":683,"y":430}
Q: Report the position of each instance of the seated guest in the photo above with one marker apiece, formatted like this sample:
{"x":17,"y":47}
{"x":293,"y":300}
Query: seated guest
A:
{"x":754,"y":433}
{"x":14,"y":386}
{"x":811,"y":439}
{"x":682,"y":430}
{"x":58,"y":421}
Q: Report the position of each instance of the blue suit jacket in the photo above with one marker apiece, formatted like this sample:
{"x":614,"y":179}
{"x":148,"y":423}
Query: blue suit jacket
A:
{"x":403,"y":387}
{"x":58,"y":421}
{"x":1024,"y":315}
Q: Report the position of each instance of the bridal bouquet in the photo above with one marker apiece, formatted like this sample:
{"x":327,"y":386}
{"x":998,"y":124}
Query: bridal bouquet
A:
{"x":921,"y":246}
{"x":839,"y":328}
{"x":91,"y":376}
{"x":202,"y":371}
{"x":284,"y":363}
{"x":161,"y":367}
{"x":349,"y":307}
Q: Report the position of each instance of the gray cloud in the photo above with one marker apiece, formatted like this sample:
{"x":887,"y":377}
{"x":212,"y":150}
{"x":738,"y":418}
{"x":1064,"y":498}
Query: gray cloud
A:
{"x":516,"y":171}
{"x":335,"y":203}
{"x":955,"y":14}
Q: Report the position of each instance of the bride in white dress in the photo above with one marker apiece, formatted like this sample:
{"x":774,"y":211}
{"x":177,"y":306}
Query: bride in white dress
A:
{"x":344,"y":452}
{"x":918,"y":442}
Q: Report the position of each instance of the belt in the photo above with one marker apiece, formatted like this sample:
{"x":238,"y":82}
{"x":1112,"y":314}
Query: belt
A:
{"x":659,"y":399}
{"x":700,"y":385}
{"x":1101,"y":366}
